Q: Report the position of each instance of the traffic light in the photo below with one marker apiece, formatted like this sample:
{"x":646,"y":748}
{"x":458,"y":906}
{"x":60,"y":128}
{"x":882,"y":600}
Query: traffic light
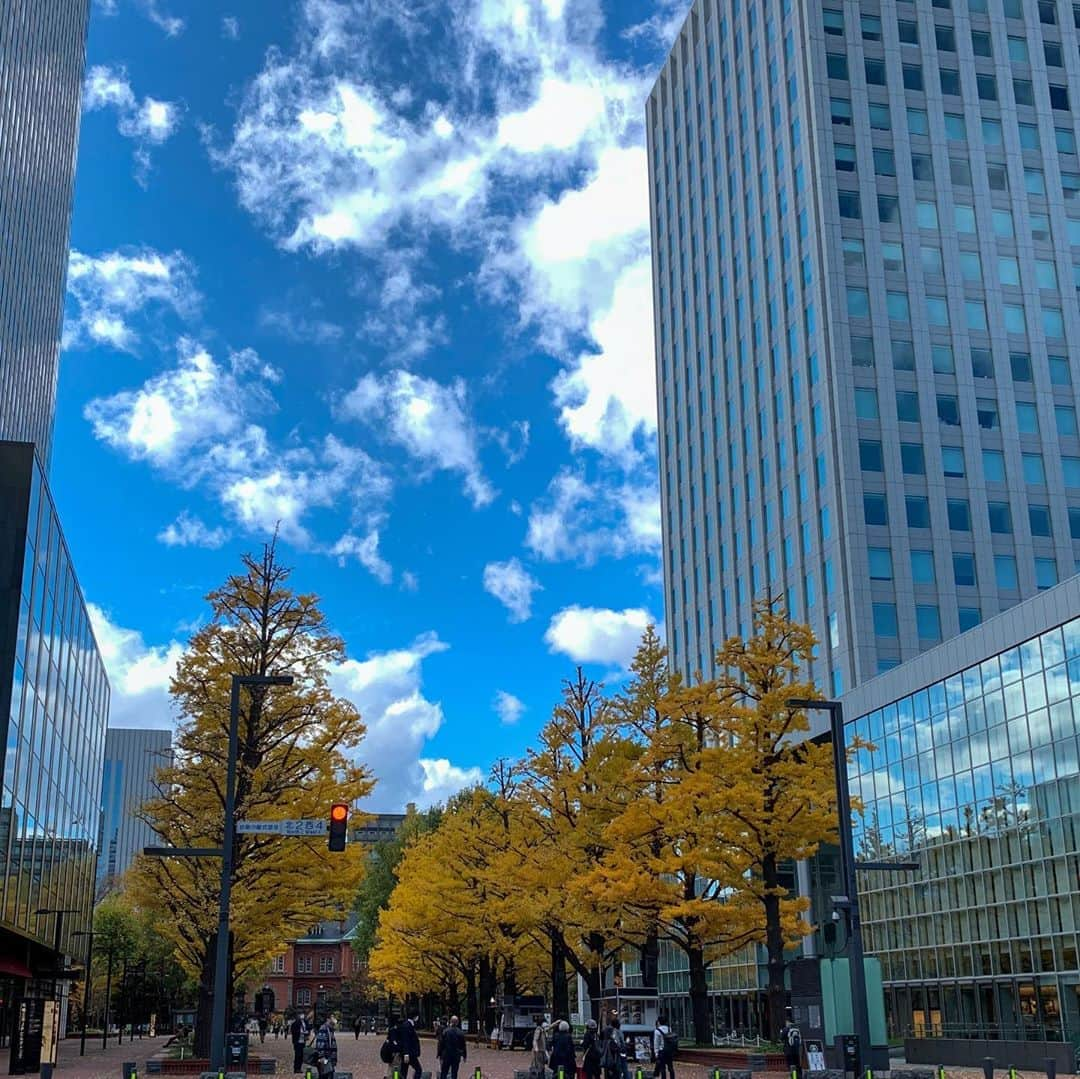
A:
{"x":339,"y":823}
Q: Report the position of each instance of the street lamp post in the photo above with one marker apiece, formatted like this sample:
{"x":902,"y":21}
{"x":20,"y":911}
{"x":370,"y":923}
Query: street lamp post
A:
{"x":849,"y":903}
{"x":88,"y":988}
{"x":221,"y":965}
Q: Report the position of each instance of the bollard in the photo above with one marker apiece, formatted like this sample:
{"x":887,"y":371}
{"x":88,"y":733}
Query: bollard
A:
{"x":988,"y":1067}
{"x":1051,"y":1068}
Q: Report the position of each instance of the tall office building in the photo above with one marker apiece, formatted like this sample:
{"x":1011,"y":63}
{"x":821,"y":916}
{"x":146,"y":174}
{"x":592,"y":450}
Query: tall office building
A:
{"x":132,"y":759}
{"x":42,"y":56}
{"x":54,"y":694}
{"x":866,"y":237}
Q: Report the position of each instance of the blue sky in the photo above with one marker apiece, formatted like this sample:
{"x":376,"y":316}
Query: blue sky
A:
{"x":376,"y":273}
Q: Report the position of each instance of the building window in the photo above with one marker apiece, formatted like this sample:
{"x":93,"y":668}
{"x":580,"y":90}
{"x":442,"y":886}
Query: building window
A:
{"x":922,"y":567}
{"x":1000,"y":518}
{"x":1005,"y":572}
{"x":885,"y":620}
{"x":881,"y":563}
{"x":964,"y":570}
{"x":1045,"y":573}
{"x":928,"y":622}
{"x":1039,"y":520}
{"x":918,"y":511}
{"x":959,"y":514}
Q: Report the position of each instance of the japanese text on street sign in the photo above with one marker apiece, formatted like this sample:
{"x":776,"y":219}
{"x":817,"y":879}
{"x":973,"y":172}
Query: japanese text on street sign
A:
{"x":281,"y":827}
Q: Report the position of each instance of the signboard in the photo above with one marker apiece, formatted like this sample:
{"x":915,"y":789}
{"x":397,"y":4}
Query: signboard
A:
{"x":282,"y":827}
{"x":50,"y":1031}
{"x":815,"y":1057}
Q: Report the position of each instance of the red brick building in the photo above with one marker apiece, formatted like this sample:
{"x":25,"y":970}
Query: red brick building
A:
{"x":319,"y":967}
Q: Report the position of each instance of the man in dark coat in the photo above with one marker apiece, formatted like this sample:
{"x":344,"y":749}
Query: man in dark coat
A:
{"x":453,"y":1049}
{"x":408,"y":1041}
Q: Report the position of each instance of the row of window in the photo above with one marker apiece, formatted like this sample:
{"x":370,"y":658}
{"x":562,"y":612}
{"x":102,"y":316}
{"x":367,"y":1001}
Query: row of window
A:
{"x":987,"y":413}
{"x":958,"y":513}
{"x":880,"y":561}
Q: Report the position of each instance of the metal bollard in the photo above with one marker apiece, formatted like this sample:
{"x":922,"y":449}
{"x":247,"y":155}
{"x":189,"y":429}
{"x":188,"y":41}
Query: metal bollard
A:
{"x":1051,"y":1068}
{"x":988,"y":1067}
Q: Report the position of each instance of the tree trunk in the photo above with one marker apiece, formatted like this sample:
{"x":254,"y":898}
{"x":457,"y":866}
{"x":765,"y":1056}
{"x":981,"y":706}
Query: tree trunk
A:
{"x":699,"y":994}
{"x":470,"y":995}
{"x":560,"y":987}
{"x":776,"y":993}
{"x":650,"y":959}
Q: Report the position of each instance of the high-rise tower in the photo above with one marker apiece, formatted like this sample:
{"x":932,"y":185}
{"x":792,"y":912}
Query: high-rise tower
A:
{"x":42,"y":56}
{"x":866,"y":237}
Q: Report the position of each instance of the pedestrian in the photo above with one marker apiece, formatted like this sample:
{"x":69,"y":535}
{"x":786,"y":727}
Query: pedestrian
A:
{"x":590,"y":1051}
{"x":452,"y":1049}
{"x":791,"y":1037}
{"x":613,"y":1055}
{"x":563,"y":1058}
{"x":664,"y":1045}
{"x":326,"y":1055}
{"x":299,"y":1032}
{"x":539,"y":1049}
{"x":408,"y":1041}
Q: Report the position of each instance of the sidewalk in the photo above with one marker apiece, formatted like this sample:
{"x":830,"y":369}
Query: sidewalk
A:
{"x":104,"y":1063}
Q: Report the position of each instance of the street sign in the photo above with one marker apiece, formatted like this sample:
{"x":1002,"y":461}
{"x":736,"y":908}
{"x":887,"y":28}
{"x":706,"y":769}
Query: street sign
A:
{"x":281,"y":827}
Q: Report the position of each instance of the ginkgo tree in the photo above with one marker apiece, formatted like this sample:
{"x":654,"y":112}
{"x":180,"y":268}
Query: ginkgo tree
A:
{"x":296,"y":757}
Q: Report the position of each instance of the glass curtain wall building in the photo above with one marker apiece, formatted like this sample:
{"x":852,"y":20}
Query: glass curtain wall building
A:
{"x":866,"y":252}
{"x":42,"y":55}
{"x":976,"y":776}
{"x":54,"y":701}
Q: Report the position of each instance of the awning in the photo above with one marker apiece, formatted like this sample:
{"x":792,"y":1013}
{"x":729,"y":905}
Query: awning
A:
{"x":14,"y":968}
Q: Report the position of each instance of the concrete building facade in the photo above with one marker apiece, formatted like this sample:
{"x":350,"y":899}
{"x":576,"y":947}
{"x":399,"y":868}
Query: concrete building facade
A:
{"x":866,"y":249}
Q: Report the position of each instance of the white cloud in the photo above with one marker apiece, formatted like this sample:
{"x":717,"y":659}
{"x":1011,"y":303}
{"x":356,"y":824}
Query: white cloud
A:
{"x":508,"y":708}
{"x":427,"y":419}
{"x":598,"y":635}
{"x":230,"y":27}
{"x":189,"y":531}
{"x":582,"y":521}
{"x":106,"y":290}
{"x":195,"y":422}
{"x":365,"y":550}
{"x":149,"y":121}
{"x":513,"y":586}
{"x":387,"y":687}
{"x":139,"y":673}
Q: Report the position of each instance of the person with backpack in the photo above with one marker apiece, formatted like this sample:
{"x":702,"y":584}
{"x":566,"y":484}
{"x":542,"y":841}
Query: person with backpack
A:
{"x":791,"y":1037}
{"x":613,"y":1052}
{"x":664,"y":1045}
{"x":299,"y":1031}
{"x":590,"y":1051}
{"x":326,"y":1048}
{"x":563,"y":1054}
{"x":452,"y":1049}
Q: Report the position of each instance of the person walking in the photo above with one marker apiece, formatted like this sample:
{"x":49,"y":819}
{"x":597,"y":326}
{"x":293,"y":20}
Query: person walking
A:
{"x":791,"y":1037}
{"x":452,"y":1049}
{"x":563,"y":1058}
{"x":326,"y":1054}
{"x":539,"y":1049}
{"x":299,"y":1031}
{"x":663,"y":1049}
{"x":613,"y":1057}
{"x":408,"y":1041}
{"x":590,"y":1051}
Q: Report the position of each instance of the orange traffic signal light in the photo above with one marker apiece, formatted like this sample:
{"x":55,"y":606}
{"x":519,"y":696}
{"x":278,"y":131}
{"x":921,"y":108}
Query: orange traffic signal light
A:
{"x":339,"y":823}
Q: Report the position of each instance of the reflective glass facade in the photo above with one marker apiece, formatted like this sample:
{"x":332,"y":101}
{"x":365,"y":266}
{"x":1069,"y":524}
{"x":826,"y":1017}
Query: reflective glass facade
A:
{"x":976,"y":776}
{"x":54,"y":700}
{"x":42,"y":56}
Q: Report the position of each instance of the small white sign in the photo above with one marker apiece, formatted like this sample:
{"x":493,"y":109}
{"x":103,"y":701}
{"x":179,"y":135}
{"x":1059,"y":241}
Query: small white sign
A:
{"x":282,"y":827}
